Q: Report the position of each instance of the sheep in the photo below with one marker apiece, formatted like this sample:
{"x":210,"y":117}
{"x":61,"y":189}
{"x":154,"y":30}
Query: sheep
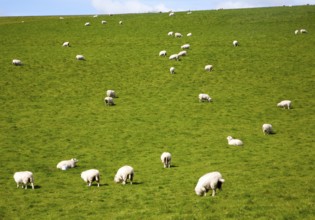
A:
{"x":178,"y":35}
{"x":208,"y":68}
{"x":267,"y":128}
{"x":235,"y":43}
{"x":234,"y":142}
{"x":123,"y":174}
{"x":111,"y":93}
{"x":67,"y":164}
{"x":174,"y":57}
{"x":66,"y":44}
{"x":90,"y":176}
{"x":120,"y":22}
{"x":170,"y":33}
{"x":80,"y":57}
{"x":166,"y":158}
{"x":189,"y":34}
{"x":209,"y":181}
{"x":162,"y":53}
{"x":87,"y":24}
{"x":204,"y":97}
{"x":16,"y":62}
{"x":182,"y":53}
{"x":303,"y":31}
{"x":185,"y":46}
{"x":24,"y":178}
{"x":109,"y":100}
{"x":296,"y":32}
{"x":172,"y":70}
{"x":103,"y":22}
{"x":285,"y":104}
{"x":171,"y":14}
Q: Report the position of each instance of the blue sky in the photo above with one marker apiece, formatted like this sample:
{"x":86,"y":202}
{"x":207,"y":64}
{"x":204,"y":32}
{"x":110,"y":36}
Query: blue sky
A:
{"x":91,"y":7}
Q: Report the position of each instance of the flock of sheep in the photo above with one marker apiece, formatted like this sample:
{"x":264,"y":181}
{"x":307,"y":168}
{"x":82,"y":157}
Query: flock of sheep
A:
{"x":210,"y":181}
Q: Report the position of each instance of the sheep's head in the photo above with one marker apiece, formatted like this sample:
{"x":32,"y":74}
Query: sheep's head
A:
{"x":117,"y":179}
{"x":229,"y":138}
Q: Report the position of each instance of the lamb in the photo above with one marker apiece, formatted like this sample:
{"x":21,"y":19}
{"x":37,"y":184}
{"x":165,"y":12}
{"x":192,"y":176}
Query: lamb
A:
{"x":87,"y":24}
{"x":109,"y":100}
{"x":16,"y":62}
{"x":170,"y":33}
{"x":189,"y":34}
{"x":111,"y":93}
{"x":166,"y":158}
{"x":174,"y":57}
{"x":80,"y":57}
{"x":182,"y":53}
{"x":296,"y":32}
{"x":204,"y":97}
{"x":285,"y":104}
{"x":235,"y":43}
{"x":24,"y":178}
{"x":267,"y":128}
{"x":303,"y":31}
{"x":234,"y":142}
{"x":162,"y":53}
{"x":185,"y":46}
{"x":66,"y":44}
{"x":123,"y":174}
{"x":67,"y":164}
{"x":90,"y":176}
{"x":172,"y":70}
{"x":208,"y":68}
{"x":178,"y":35}
{"x":209,"y":181}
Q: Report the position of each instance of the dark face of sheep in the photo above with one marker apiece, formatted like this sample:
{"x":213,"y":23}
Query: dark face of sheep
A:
{"x":219,"y":185}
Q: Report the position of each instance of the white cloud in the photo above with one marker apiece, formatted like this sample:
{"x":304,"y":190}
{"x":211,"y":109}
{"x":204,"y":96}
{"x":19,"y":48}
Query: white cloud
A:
{"x":126,"y":6}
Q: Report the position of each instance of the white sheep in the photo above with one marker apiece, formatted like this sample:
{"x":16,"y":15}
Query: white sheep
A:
{"x":67,"y":164}
{"x":109,"y":100}
{"x":182,"y":53}
{"x":174,"y":57}
{"x":267,"y":128}
{"x":24,"y":178}
{"x":235,"y":43}
{"x":172,"y":70}
{"x":162,"y":53}
{"x":171,"y":14}
{"x":104,"y":22}
{"x":170,"y":33}
{"x":80,"y":57}
{"x":89,"y":176}
{"x":66,"y":44}
{"x":296,"y":32}
{"x":111,"y":93}
{"x":204,"y":97}
{"x":208,"y":68}
{"x":285,"y":104}
{"x":189,"y":34}
{"x":123,"y":174}
{"x":120,"y":22}
{"x":178,"y":34}
{"x":234,"y":142}
{"x":16,"y":62}
{"x":87,"y":24}
{"x":166,"y":159}
{"x":185,"y":46}
{"x":303,"y":31}
{"x":209,"y":181}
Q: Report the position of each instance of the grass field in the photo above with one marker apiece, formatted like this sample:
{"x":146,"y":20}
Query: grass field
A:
{"x":53,"y":110}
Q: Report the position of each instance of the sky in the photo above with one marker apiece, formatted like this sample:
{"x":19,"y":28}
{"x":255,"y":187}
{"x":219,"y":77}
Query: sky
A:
{"x":93,"y":7}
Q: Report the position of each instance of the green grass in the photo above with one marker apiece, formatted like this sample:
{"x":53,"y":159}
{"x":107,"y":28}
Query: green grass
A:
{"x":52,"y":109}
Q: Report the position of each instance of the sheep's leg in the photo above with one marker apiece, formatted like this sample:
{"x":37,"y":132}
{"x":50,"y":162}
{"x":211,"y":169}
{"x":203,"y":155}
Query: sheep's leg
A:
{"x":213,"y":192}
{"x":32,"y":185}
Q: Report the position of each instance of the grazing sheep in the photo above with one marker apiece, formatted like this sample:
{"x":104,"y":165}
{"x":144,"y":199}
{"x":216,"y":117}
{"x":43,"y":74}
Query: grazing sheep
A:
{"x":208,"y":68}
{"x":234,"y":142}
{"x":90,"y":176}
{"x":111,"y":93}
{"x":120,"y":22}
{"x":267,"y":128}
{"x":16,"y":62}
{"x":109,"y":100}
{"x":178,"y":35}
{"x":67,"y":164}
{"x":123,"y":174}
{"x":104,"y":22}
{"x":182,"y":53}
{"x":162,"y":53}
{"x":170,"y":33}
{"x":80,"y":57}
{"x":303,"y":31}
{"x":209,"y":181}
{"x":166,"y":158}
{"x":189,"y":34}
{"x":171,"y":14}
{"x":172,"y":70}
{"x":235,"y":43}
{"x":296,"y":32}
{"x":87,"y":24}
{"x":204,"y":97}
{"x":285,"y":104}
{"x":24,"y":178}
{"x":174,"y":57}
{"x":66,"y":44}
{"x":185,"y":46}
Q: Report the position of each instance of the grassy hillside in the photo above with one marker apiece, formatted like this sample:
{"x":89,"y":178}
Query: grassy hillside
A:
{"x":53,"y":109}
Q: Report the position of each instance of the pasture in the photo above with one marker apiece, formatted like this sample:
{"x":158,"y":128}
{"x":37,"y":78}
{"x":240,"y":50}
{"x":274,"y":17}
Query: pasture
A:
{"x":52,"y":109}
